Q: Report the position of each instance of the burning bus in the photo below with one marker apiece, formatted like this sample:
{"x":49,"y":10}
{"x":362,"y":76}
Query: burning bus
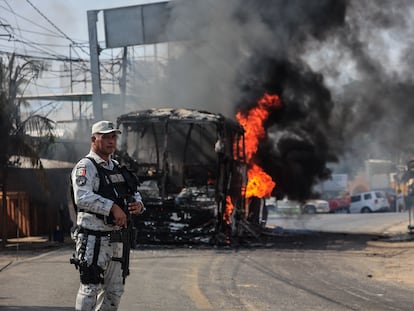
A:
{"x":193,"y":175}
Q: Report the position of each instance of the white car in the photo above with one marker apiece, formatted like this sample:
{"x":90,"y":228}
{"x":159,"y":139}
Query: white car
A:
{"x":368,"y":202}
{"x":289,"y":207}
{"x":315,"y":206}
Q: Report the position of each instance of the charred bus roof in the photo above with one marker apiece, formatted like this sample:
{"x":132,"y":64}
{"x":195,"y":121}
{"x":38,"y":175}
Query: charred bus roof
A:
{"x":180,"y":115}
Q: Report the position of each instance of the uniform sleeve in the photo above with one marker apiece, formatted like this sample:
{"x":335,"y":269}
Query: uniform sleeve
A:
{"x":138,"y":197}
{"x":85,"y":180}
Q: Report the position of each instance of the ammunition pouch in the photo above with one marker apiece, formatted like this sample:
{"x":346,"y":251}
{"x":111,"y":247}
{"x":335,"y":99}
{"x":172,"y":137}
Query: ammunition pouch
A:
{"x":130,"y":178}
{"x":92,"y":274}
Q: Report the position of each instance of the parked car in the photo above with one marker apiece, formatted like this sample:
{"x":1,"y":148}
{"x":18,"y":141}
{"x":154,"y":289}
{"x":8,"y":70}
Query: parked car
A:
{"x":338,"y":205}
{"x":368,"y":202}
{"x":271,"y":204}
{"x":292,"y":207}
{"x":288,"y":207}
{"x":315,"y":206}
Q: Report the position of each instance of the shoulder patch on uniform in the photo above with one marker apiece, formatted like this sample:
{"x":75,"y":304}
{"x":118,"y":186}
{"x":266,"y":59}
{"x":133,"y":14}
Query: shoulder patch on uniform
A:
{"x":80,"y":171}
{"x":81,"y":180}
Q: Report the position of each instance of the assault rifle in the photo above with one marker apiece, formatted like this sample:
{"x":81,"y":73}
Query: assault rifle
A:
{"x":127,"y":237}
{"x":128,"y":233}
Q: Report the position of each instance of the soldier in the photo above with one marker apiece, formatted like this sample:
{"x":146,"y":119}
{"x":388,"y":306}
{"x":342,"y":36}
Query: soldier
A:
{"x":99,"y":187}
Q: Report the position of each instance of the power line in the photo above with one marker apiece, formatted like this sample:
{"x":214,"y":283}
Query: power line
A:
{"x":56,"y":27}
{"x":40,"y":44}
{"x":40,"y":33}
{"x":15,"y":18}
{"x":60,"y":58}
{"x":14,"y":36}
{"x":9,"y":9}
{"x":25,"y":42}
{"x":50,"y":22}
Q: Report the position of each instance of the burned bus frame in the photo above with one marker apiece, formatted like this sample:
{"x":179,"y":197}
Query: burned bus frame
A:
{"x":192,"y":171}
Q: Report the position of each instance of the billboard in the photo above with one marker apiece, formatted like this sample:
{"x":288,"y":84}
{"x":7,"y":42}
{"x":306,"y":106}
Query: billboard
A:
{"x":136,"y":25}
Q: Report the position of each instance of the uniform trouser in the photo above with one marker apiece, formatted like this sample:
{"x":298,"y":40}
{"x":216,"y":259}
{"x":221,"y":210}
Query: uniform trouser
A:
{"x":101,"y":296}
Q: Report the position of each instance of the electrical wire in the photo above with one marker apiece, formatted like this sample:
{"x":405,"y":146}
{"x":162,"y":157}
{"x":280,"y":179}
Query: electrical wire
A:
{"x":50,"y":22}
{"x":9,"y":9}
{"x":54,"y":25}
{"x":111,"y":68}
{"x":34,"y":57}
{"x":60,"y":34}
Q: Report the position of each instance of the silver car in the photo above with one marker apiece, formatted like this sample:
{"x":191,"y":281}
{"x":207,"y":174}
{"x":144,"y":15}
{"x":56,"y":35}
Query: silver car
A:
{"x":315,"y":206}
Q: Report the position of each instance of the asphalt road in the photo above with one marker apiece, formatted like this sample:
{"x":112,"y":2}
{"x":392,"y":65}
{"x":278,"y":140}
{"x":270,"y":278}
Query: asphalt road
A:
{"x":178,"y":279}
{"x":372,"y":223}
{"x":306,"y":271}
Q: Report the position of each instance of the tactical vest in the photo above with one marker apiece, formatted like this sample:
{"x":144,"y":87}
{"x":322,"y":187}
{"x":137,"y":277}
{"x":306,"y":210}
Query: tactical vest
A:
{"x":112,"y":185}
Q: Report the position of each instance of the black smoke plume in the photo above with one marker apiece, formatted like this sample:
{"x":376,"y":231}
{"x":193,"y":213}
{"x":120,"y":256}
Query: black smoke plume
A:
{"x":297,"y":147}
{"x":341,"y":68}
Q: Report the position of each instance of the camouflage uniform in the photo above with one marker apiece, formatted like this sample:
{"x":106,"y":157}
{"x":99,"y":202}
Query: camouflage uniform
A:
{"x":94,"y":246}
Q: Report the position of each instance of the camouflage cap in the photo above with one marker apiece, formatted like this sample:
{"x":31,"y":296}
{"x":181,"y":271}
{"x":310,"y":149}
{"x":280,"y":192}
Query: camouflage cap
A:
{"x":104,"y":127}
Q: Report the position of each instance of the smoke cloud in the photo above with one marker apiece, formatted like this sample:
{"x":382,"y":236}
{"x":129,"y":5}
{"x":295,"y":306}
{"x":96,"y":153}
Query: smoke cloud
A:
{"x":341,"y":68}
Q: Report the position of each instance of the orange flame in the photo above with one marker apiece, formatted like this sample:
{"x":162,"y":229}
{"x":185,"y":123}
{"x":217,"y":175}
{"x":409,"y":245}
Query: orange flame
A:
{"x":259,"y":183}
{"x":253,"y":122}
{"x":229,"y":209}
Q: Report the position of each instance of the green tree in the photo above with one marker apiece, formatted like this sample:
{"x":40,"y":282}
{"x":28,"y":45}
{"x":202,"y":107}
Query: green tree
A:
{"x":19,"y":137}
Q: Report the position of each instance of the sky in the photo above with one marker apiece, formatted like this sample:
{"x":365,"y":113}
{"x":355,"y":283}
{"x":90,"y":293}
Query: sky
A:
{"x":69,"y":16}
{"x":55,"y":29}
{"x":343,"y":69}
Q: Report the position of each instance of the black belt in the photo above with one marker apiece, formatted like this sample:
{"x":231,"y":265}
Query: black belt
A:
{"x":115,"y":235}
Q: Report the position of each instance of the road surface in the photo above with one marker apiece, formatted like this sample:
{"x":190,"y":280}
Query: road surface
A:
{"x":321,"y":271}
{"x":373,"y":223}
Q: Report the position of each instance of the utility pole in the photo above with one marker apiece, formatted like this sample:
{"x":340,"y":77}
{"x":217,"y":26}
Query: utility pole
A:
{"x":123,"y":79}
{"x":94,"y":58}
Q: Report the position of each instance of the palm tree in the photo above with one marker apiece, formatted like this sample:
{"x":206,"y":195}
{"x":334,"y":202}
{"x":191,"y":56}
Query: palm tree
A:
{"x":16,"y":135}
